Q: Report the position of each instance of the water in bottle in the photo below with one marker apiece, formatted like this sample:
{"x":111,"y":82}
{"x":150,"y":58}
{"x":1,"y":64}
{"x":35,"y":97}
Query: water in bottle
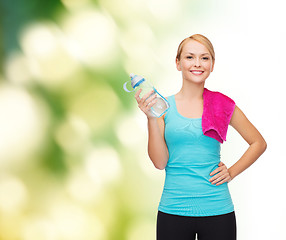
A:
{"x":138,"y":82}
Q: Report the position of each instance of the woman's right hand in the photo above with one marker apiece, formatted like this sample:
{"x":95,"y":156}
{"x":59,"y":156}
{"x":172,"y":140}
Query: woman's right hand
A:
{"x":146,"y":102}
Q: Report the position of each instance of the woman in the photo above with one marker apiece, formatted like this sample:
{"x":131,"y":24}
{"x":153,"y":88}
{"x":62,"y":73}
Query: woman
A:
{"x":185,"y":142}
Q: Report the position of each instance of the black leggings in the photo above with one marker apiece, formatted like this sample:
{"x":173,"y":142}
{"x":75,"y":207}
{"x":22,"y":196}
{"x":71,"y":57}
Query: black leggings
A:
{"x":175,"y":227}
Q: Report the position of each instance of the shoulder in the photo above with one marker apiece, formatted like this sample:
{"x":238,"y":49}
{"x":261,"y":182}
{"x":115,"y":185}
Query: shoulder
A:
{"x":219,"y":96}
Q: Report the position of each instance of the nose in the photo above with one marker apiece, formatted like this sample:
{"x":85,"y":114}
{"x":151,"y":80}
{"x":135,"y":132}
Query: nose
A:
{"x":197,"y":62}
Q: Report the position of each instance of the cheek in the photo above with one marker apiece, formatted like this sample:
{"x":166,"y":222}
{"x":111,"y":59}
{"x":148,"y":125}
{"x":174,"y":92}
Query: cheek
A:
{"x":186,"y":64}
{"x":208,"y":66}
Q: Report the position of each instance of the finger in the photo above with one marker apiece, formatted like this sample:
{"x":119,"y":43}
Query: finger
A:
{"x":220,"y":183}
{"x":143,"y":99}
{"x":137,"y":94}
{"x":221,"y":164}
{"x":228,"y":179}
{"x":215,"y":171}
{"x":151,"y":104}
{"x":149,"y":100}
{"x":216,"y":177}
{"x":220,"y":178}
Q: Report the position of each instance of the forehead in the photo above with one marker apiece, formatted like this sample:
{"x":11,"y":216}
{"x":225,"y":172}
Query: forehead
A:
{"x":194,"y":46}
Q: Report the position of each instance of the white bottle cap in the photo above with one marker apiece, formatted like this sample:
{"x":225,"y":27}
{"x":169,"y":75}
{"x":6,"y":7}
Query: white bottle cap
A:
{"x":135,"y":79}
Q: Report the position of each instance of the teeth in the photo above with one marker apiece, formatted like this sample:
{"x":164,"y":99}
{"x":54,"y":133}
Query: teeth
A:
{"x":196,"y":71}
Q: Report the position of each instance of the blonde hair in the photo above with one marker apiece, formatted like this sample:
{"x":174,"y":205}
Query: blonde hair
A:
{"x":201,"y":39}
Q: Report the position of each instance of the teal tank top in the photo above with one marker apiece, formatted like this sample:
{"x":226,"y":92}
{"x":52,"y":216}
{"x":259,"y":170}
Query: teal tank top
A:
{"x":192,"y":157}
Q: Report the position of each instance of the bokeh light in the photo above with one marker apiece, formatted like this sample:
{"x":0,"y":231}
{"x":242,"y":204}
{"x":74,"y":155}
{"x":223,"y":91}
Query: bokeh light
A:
{"x":13,"y":194}
{"x":25,"y":124}
{"x":49,"y":59}
{"x":94,"y":34}
{"x":73,"y":145}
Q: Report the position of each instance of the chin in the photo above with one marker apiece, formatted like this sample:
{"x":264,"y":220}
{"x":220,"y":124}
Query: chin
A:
{"x":197,"y":81}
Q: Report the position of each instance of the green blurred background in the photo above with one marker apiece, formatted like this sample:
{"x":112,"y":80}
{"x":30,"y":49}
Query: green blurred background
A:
{"x":73,"y":160}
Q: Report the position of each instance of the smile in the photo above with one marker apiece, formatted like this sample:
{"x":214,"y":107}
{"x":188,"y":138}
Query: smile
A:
{"x":197,"y":72}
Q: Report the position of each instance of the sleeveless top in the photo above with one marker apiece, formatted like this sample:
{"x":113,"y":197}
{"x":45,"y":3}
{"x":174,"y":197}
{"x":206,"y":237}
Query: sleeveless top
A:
{"x":192,"y":157}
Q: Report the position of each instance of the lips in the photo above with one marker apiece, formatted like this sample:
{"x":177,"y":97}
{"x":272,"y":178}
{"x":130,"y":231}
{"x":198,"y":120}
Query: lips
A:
{"x":197,"y":72}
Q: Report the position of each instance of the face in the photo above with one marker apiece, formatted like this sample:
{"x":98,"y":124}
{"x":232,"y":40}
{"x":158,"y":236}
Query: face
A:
{"x":196,"y":62}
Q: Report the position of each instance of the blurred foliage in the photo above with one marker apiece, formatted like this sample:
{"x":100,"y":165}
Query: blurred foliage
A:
{"x":65,"y":173}
{"x":73,"y":161}
{"x":16,"y":14}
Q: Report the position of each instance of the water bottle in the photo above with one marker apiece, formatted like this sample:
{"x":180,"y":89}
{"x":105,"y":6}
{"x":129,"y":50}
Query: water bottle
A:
{"x":138,"y":82}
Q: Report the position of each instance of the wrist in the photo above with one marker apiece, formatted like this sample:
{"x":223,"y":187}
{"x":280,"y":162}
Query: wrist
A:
{"x":231,"y":173}
{"x":151,"y":118}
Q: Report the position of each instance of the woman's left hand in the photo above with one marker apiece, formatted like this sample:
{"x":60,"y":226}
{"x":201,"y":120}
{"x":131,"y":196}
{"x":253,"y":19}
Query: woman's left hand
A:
{"x":222,"y":175}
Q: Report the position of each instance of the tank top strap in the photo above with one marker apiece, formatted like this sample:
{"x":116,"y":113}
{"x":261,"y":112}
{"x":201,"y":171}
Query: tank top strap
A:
{"x":171,"y":98}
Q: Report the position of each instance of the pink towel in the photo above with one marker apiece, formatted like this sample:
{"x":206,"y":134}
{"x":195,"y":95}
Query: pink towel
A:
{"x":217,"y":111}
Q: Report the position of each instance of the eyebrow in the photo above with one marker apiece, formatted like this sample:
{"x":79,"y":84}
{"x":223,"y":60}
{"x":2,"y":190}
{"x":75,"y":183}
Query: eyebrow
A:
{"x":201,"y":54}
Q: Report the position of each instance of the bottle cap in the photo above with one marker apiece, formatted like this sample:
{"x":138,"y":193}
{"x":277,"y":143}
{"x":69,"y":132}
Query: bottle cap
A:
{"x":136,"y":80}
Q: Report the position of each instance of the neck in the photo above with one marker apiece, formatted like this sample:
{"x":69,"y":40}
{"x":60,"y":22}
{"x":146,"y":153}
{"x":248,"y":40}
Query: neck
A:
{"x":191,"y":91}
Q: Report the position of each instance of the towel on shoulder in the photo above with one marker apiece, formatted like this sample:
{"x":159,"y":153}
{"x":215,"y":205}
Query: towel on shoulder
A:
{"x":217,"y":112}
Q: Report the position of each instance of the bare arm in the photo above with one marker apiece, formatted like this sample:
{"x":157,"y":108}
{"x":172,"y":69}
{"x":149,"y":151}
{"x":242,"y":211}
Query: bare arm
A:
{"x":257,"y":144}
{"x":157,"y":148}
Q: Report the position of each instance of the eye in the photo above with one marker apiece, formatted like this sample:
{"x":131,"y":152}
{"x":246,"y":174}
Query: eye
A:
{"x":205,"y":58}
{"x":189,"y":57}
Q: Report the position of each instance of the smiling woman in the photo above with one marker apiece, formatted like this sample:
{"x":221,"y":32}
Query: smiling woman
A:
{"x":186,"y":143}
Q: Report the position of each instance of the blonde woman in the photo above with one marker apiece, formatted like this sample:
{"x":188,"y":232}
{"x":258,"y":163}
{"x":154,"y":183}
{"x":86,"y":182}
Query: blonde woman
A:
{"x":186,"y":142}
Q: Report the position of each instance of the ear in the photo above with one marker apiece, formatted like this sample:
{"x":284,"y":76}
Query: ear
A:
{"x":178,"y":64}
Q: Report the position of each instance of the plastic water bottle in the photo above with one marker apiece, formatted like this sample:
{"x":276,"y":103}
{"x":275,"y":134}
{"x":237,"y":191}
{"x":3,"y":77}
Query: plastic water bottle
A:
{"x":138,"y":82}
